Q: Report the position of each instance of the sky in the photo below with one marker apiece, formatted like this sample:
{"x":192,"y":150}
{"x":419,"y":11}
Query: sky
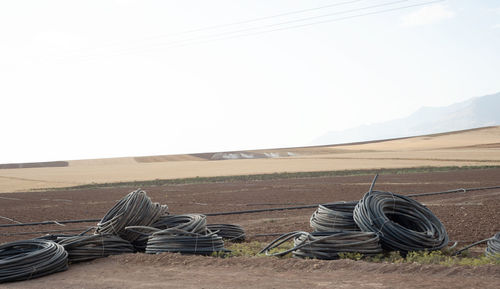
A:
{"x":95,"y":79}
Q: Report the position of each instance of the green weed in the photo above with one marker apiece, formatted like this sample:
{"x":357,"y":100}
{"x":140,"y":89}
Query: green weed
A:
{"x":424,"y":257}
{"x":250,"y":249}
{"x":445,"y":258}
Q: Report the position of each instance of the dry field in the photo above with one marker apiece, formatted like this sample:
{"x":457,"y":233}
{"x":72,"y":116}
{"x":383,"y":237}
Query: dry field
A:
{"x":468,"y":217}
{"x":478,"y":147}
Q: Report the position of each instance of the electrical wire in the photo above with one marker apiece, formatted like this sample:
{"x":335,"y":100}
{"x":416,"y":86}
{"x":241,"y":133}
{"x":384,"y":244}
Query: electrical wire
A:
{"x":135,"y":209}
{"x":251,"y":31}
{"x":229,"y":232}
{"x":273,"y":16}
{"x":402,"y":224}
{"x":239,"y":34}
{"x":326,"y":245}
{"x":334,"y":217}
{"x":219,"y":26}
{"x":89,"y":247}
{"x":267,"y":26}
{"x":27,"y":259}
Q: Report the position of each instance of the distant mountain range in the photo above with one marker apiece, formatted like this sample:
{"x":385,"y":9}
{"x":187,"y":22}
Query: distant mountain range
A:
{"x":473,"y":113}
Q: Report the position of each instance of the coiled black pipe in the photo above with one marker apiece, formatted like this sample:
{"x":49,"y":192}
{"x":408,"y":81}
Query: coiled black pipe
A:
{"x":194,"y":223}
{"x":402,"y":224}
{"x":331,"y":244}
{"x":27,"y":259}
{"x":326,"y":245}
{"x":229,"y":232}
{"x":493,"y":249}
{"x":334,"y":217}
{"x":185,"y":242}
{"x":181,"y":241}
{"x":89,"y":247}
{"x":135,"y":209}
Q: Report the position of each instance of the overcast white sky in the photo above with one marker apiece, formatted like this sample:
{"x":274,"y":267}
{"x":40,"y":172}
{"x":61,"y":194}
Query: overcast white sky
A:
{"x":91,"y":79}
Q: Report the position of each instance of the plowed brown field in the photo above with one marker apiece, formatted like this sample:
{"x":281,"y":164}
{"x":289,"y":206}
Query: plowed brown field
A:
{"x":468,"y":217}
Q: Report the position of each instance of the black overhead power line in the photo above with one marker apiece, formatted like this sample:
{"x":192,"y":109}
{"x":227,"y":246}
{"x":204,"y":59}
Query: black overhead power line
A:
{"x":312,"y":17}
{"x":224,"y":25}
{"x":308,"y":24}
{"x":273,"y":27}
{"x":272,"y":16}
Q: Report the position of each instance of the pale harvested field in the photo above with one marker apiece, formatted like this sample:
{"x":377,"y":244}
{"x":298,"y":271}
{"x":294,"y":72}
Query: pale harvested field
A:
{"x":479,"y":147}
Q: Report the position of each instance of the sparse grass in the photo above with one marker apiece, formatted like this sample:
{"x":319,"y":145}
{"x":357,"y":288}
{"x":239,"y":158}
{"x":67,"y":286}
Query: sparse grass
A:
{"x":247,"y":249}
{"x":273,"y":176}
{"x":250,"y":249}
{"x":425,"y":258}
{"x":351,"y":256}
{"x":445,"y":258}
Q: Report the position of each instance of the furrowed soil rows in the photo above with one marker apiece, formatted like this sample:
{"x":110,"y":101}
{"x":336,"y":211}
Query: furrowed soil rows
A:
{"x":467,"y":217}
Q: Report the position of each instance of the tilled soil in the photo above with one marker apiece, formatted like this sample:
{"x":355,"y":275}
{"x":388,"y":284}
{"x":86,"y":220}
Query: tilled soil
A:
{"x":468,"y":217}
{"x":176,"y":271}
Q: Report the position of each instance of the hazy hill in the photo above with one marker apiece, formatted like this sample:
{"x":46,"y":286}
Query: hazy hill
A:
{"x":476,"y":112}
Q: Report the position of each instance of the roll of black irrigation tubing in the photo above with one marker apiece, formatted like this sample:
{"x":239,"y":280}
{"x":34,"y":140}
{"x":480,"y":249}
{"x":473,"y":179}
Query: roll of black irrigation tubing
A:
{"x":401,"y":223}
{"x":493,"y":248}
{"x":334,"y":217}
{"x":89,"y":247}
{"x":326,"y":245}
{"x":180,"y":241}
{"x":135,"y":209}
{"x":194,"y":223}
{"x":27,"y":259}
{"x":229,"y":232}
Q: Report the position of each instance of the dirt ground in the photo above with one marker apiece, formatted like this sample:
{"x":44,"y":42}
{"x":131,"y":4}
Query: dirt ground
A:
{"x":467,"y":217}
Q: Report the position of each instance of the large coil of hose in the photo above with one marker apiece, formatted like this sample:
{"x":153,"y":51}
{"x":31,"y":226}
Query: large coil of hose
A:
{"x":180,"y":241}
{"x":172,"y":240}
{"x":194,"y":223}
{"x":135,"y":209}
{"x":229,"y":232}
{"x":334,"y":217}
{"x":402,"y":224}
{"x":89,"y":247}
{"x":27,"y":259}
{"x":326,"y":245}
{"x":493,"y":248}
